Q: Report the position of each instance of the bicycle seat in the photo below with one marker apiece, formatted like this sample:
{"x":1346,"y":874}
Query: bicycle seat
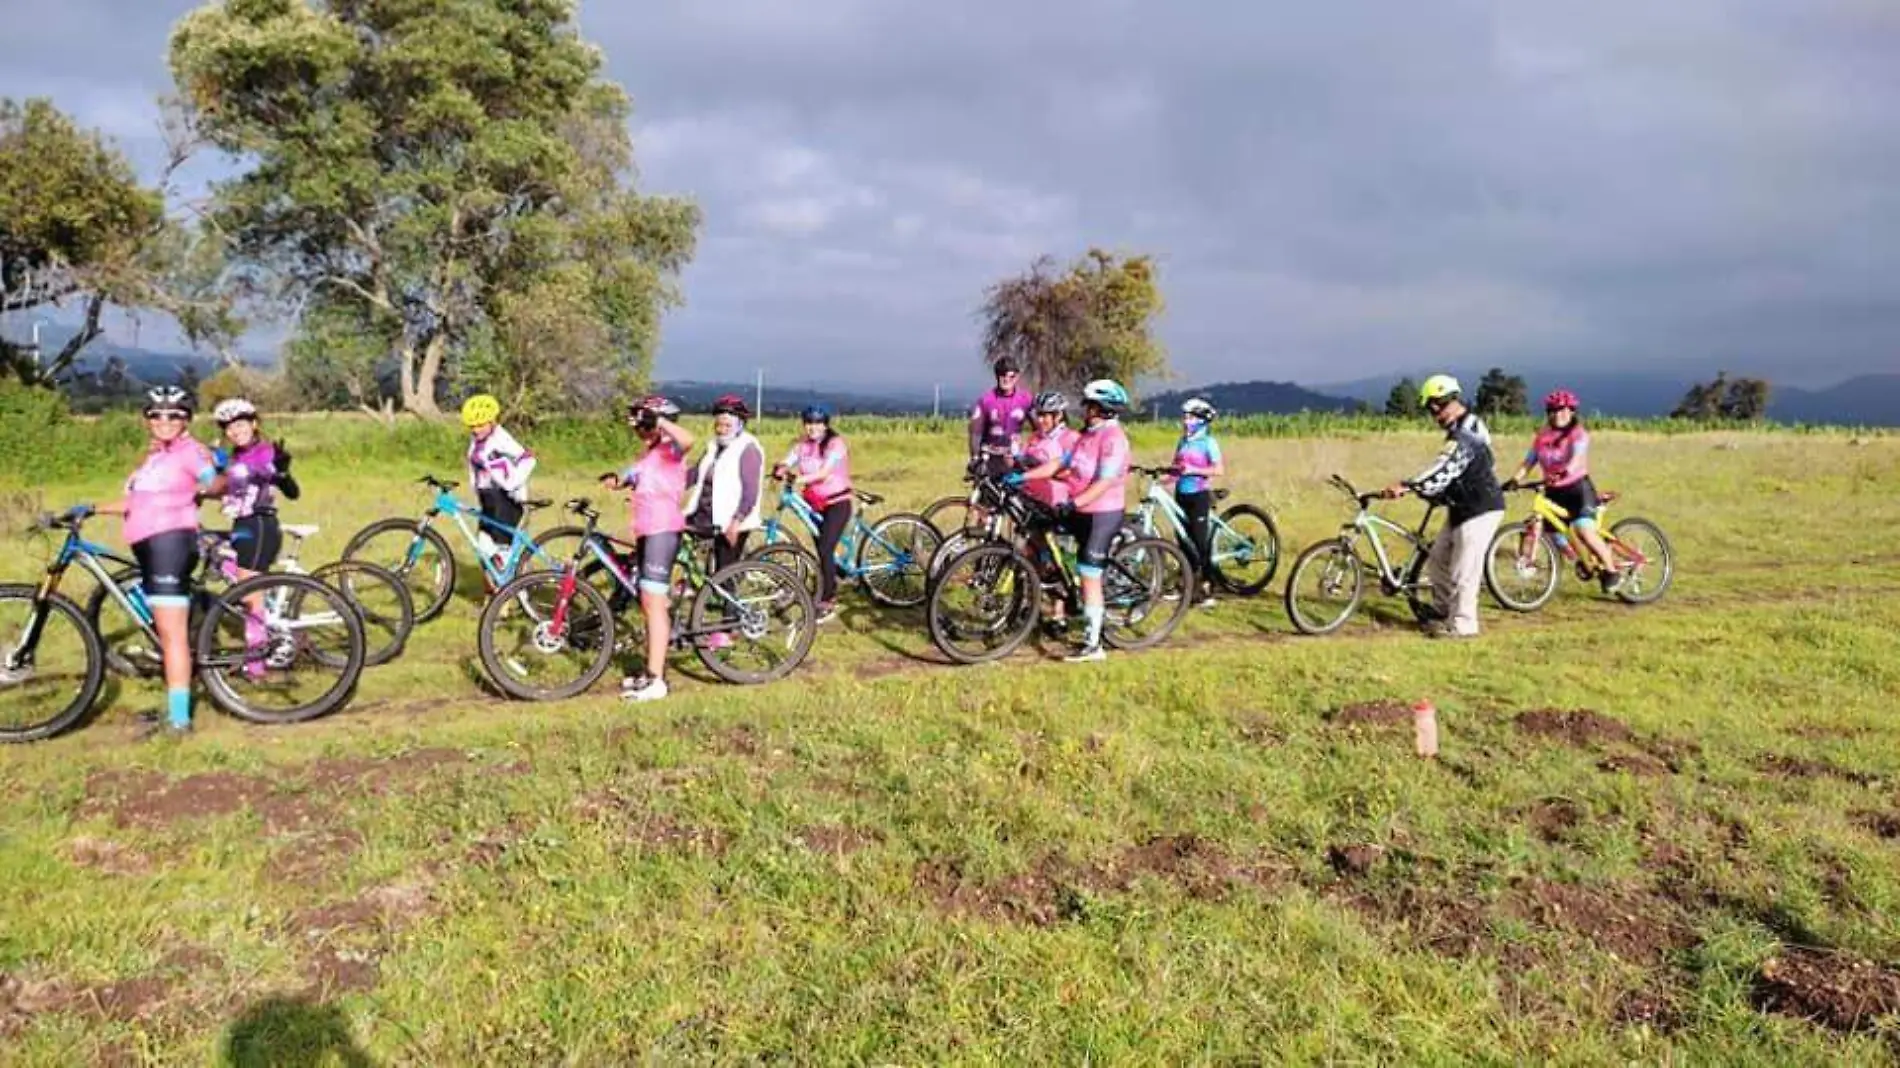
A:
{"x":300,"y":530}
{"x":538,"y":502}
{"x":1220,"y":494}
{"x":867,"y":497}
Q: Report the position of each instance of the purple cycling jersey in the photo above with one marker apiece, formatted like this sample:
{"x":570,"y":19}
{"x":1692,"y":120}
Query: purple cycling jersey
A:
{"x":996,"y":422}
{"x":248,"y":480}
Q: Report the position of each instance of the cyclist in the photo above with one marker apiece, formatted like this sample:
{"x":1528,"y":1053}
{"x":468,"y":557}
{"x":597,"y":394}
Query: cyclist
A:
{"x":1098,"y":466}
{"x":1562,"y":451}
{"x":657,"y":479}
{"x":819,"y":466}
{"x":1045,"y":456}
{"x":499,"y":468}
{"x":998,"y":419}
{"x":1197,"y":460}
{"x":725,"y":497}
{"x":255,"y":469}
{"x":160,"y":507}
{"x":1462,"y":480}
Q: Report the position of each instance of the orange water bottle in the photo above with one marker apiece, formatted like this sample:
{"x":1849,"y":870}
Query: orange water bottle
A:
{"x":1425,"y":729}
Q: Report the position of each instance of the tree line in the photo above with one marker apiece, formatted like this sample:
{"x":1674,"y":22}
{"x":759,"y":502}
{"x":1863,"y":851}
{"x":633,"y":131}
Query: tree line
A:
{"x":1500,"y":393}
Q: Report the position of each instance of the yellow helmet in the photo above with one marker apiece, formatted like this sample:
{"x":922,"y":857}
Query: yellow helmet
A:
{"x":1438,"y":388}
{"x":479,"y":409}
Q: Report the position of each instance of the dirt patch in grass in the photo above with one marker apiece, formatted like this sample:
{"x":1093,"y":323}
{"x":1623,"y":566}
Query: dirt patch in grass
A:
{"x":1641,"y":765}
{"x":1257,"y":729}
{"x":126,"y":1000}
{"x":1783,"y":766}
{"x":1448,"y":922}
{"x":1555,"y":819}
{"x":1652,"y":1007}
{"x":191,"y":960}
{"x":105,"y":855}
{"x":1039,"y":898}
{"x":313,"y":859}
{"x":1578,"y":726}
{"x":1056,"y":889}
{"x":1202,"y":869}
{"x":336,"y":970}
{"x":368,"y":775}
{"x":1632,"y":924}
{"x":837,"y":841}
{"x":1353,"y":861}
{"x":149,"y":800}
{"x":659,"y":833}
{"x":1372,"y":714}
{"x":1835,"y":990}
{"x":1881,"y":824}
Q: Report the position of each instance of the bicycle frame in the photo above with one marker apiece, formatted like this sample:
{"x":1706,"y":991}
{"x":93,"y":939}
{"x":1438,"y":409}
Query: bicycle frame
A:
{"x":1545,"y":511}
{"x":845,"y":555}
{"x":1154,"y":498}
{"x":520,"y":545}
{"x":1368,"y":524}
{"x":599,"y":546}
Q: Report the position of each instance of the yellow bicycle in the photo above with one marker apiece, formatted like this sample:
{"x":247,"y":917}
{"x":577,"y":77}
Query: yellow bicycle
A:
{"x":1522,"y":567}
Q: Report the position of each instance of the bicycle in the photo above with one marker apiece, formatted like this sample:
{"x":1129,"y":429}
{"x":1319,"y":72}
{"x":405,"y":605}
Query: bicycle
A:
{"x":889,"y":558}
{"x":238,"y":672}
{"x":1235,"y":554}
{"x":382,"y":601}
{"x":415,"y":550}
{"x":1521,"y":567}
{"x":750,"y":608}
{"x":991,"y":593}
{"x":1340,"y":567}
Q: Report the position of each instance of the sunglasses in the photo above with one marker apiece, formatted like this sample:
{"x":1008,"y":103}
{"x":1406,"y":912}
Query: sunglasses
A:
{"x":172,"y":415}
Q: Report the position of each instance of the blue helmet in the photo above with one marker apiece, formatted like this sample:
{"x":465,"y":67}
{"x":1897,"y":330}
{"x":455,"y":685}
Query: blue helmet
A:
{"x":1108,"y":393}
{"x":816,"y":413}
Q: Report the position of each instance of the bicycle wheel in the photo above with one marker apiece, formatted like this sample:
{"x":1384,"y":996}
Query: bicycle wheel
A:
{"x":51,"y":664}
{"x":1649,"y":563}
{"x":557,"y":548}
{"x":754,"y":622}
{"x":546,"y":636}
{"x":297,"y":658}
{"x":1147,"y":587}
{"x":793,"y":557}
{"x":954,"y":544}
{"x":1246,"y":550}
{"x":382,"y":601}
{"x":984,"y":604}
{"x":948,"y":513}
{"x":1338,"y":584}
{"x":894,"y":559}
{"x":1521,"y":576}
{"x":419,"y":555}
{"x":128,"y":645}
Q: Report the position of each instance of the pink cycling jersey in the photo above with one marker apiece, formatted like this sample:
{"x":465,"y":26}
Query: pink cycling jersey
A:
{"x":162,"y":495}
{"x":659,"y":480}
{"x":831,"y":462}
{"x":996,"y":420}
{"x":1101,"y":456}
{"x":1563,"y":455}
{"x":1045,"y":448}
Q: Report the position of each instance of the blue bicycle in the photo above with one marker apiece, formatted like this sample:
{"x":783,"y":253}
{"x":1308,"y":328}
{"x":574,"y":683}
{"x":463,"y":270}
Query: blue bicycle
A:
{"x":889,"y":558}
{"x":418,"y":553}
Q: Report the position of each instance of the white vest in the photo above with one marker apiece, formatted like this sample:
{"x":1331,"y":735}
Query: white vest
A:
{"x":726,"y":485}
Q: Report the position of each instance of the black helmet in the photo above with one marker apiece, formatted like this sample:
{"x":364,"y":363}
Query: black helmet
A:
{"x":816,"y":413}
{"x":1008,"y":365}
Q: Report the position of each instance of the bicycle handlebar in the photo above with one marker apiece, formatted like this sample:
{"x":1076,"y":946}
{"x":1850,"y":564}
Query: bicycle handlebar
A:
{"x":66,"y":520}
{"x":582,"y":507}
{"x":442,"y":485}
{"x":1522,"y":487}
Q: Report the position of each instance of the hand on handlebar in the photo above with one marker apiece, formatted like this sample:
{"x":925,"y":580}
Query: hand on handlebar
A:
{"x":610,"y":480}
{"x":1394,"y":491}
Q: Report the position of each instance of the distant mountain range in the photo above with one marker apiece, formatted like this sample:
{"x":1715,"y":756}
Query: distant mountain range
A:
{"x":1870,"y":400}
{"x":1255,"y":398}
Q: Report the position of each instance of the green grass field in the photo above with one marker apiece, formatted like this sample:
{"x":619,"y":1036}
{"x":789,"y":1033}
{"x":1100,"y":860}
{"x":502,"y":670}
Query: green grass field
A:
{"x":1668,"y":834}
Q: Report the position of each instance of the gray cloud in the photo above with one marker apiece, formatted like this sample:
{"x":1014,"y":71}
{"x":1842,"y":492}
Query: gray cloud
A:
{"x":1333,"y":190}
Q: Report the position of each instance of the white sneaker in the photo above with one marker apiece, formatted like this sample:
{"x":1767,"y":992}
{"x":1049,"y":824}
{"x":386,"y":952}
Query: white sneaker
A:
{"x":1088,"y":654}
{"x":651,"y":690}
{"x":1207,"y":602}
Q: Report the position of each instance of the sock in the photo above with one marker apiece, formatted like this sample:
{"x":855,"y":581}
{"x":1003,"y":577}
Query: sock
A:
{"x":255,"y":632}
{"x":178,"y":706}
{"x":1094,"y":614}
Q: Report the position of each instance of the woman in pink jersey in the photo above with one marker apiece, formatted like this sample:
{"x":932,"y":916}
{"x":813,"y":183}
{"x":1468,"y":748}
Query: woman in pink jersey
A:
{"x":160,"y":507}
{"x":819,"y":467}
{"x":658,"y":480}
{"x":1045,"y":458}
{"x":1098,"y":466}
{"x":1562,"y":451}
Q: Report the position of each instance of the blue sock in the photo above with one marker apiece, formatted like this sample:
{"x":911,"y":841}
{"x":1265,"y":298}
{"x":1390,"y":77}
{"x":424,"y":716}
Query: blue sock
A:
{"x":1094,"y":614}
{"x":178,"y":707}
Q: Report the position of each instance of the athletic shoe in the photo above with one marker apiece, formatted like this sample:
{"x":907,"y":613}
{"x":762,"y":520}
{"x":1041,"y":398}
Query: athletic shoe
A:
{"x":827,"y":611}
{"x":654,"y":690}
{"x":155,"y":725}
{"x":1088,"y":654}
{"x":1611,"y":581}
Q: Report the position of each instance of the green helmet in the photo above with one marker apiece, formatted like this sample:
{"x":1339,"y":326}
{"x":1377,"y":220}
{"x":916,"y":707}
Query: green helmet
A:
{"x":1438,"y":388}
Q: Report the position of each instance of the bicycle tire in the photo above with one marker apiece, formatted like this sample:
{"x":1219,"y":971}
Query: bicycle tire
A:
{"x":940,"y":512}
{"x":117,"y":661}
{"x":1645,"y":594}
{"x":1323,"y":554}
{"x":1508,"y":541}
{"x":793,"y":557}
{"x":888,"y":583}
{"x":785,"y":587}
{"x":397,"y":619}
{"x":230,"y":602}
{"x":545,"y":543}
{"x":1158,"y":589}
{"x":1268,"y":548}
{"x":1023,"y":602}
{"x":505,"y":598}
{"x":431,"y":598}
{"x":1423,"y":610}
{"x":91,"y":679}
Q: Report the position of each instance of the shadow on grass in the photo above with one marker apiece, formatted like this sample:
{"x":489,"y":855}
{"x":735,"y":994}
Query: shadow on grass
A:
{"x":877,"y":622}
{"x":285,"y":1032}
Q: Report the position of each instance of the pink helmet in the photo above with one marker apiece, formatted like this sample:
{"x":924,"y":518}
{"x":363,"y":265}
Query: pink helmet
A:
{"x":1560,"y":398}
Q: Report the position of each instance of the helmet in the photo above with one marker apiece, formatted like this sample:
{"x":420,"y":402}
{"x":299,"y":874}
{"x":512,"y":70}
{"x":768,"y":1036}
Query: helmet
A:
{"x":1438,"y":388}
{"x":230,"y":411}
{"x":168,"y":397}
{"x":1051,"y":402}
{"x":479,"y":409}
{"x":1560,"y":398}
{"x":732,"y":404}
{"x":815,"y":413}
{"x":656,"y":404}
{"x":1199,"y":409}
{"x":1107,"y":393}
{"x":1007,"y":365}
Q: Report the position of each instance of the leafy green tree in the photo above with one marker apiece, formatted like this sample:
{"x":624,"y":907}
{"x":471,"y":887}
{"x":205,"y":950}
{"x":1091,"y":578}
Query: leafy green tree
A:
{"x":338,"y":359}
{"x":1502,"y":394}
{"x":1402,"y":402}
{"x":1746,"y":400}
{"x":1703,"y":400}
{"x":438,"y":164}
{"x":1094,"y":320}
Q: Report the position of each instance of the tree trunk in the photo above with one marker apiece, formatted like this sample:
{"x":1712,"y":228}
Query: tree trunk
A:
{"x":433,"y":350}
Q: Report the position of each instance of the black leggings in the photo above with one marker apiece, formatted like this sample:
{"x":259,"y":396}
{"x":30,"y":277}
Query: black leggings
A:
{"x":836,"y":515}
{"x":726,"y":553}
{"x":256,"y":539}
{"x":1199,"y":542}
{"x":498,"y":507}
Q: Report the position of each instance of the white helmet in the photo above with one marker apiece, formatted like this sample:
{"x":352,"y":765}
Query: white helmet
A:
{"x":233,"y":409}
{"x":1199,"y":409}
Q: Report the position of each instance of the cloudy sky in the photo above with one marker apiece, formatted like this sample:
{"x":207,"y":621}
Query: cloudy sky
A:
{"x":1333,"y":191}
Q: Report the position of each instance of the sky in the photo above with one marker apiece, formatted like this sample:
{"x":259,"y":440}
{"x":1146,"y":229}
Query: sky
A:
{"x":1333,"y":191}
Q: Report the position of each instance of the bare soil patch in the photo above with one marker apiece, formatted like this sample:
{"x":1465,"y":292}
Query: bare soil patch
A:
{"x":837,"y":841}
{"x":1202,"y":869}
{"x":1633,"y":924}
{"x":315,"y":858}
{"x":1353,"y":861}
{"x":148,"y":800}
{"x":1882,"y":824}
{"x":1055,"y":889}
{"x":1038,"y":897}
{"x":105,"y":855}
{"x":376,"y":775}
{"x":1554,"y":819}
{"x":336,"y":970}
{"x":1579,"y":727}
{"x":1374,"y":713}
{"x":661,"y":833}
{"x":1641,"y":765}
{"x":1259,"y":730}
{"x":125,"y":1000}
{"x":1835,"y":990}
{"x":1783,"y":766}
{"x":1651,"y":1007}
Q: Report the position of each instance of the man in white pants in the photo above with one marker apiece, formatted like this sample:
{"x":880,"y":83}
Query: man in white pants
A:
{"x":1463,"y":481}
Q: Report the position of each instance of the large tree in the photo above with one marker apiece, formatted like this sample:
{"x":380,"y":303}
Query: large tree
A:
{"x":1093,"y":320}
{"x":1500,"y":393}
{"x":443,"y":164}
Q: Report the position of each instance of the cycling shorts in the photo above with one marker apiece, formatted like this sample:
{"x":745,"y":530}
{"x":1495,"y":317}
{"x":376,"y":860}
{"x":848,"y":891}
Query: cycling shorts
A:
{"x":257,"y":539}
{"x":1579,"y":499}
{"x":166,"y":562}
{"x":1094,"y":533}
{"x":655,"y":554}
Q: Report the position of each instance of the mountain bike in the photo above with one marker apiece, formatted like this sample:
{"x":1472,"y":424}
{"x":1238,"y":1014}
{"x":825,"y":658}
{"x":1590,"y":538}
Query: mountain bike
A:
{"x":382,"y":601}
{"x":1338,"y":567}
{"x":1521,"y":566}
{"x":420,"y":555}
{"x":985,"y":518}
{"x":889,"y":558}
{"x":1244,"y":540}
{"x":551,"y":635}
{"x":986,"y":600}
{"x":255,"y":665}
